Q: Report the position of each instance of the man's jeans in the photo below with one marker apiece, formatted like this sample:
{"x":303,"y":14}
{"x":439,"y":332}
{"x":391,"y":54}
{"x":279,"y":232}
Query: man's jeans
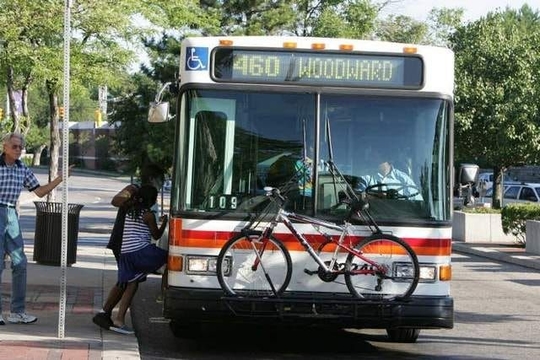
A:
{"x":11,"y":243}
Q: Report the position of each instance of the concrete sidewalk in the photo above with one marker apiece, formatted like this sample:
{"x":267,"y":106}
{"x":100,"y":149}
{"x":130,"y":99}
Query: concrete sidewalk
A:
{"x":87,"y":283}
{"x":509,"y":253}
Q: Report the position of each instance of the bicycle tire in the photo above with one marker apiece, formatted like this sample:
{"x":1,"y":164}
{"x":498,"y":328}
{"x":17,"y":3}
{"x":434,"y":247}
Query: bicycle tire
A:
{"x":396,"y":256}
{"x":235,"y":262}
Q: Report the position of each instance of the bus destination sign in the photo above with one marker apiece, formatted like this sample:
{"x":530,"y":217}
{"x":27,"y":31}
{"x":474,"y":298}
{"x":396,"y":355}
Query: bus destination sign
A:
{"x":316,"y":68}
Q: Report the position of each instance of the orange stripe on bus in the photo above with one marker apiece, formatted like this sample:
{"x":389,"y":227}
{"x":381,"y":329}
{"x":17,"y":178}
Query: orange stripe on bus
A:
{"x":216,"y":240}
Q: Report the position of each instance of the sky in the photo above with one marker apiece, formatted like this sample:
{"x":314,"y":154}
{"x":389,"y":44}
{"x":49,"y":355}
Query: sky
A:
{"x":474,"y":9}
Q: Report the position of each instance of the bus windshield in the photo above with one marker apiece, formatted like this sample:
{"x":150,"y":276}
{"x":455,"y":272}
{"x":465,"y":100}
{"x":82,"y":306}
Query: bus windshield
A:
{"x":233,"y":143}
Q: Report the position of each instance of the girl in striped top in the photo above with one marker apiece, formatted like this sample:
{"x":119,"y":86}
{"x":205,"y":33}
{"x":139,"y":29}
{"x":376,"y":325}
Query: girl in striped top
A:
{"x":139,"y":256}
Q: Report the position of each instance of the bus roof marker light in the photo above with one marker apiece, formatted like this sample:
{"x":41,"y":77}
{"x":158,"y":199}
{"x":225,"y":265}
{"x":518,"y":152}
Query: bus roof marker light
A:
{"x":346,"y":47}
{"x":289,"y":45}
{"x":410,"y":50}
{"x":225,"y":42}
{"x":318,"y":46}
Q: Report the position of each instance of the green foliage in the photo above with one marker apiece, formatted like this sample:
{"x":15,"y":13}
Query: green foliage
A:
{"x":136,"y":138}
{"x":402,"y":29}
{"x":497,"y":92}
{"x":335,"y":18}
{"x":436,"y":31}
{"x":347,"y":19}
{"x":254,"y":17}
{"x":27,"y":160}
{"x":497,"y":97}
{"x":514,"y":219}
{"x":442,"y":24}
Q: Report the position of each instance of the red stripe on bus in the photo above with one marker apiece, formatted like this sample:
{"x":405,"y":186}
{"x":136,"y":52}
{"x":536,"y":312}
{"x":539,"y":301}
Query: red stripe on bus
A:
{"x":216,"y":239}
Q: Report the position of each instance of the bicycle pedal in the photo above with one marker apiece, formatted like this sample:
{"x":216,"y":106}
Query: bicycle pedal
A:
{"x":311,"y":272}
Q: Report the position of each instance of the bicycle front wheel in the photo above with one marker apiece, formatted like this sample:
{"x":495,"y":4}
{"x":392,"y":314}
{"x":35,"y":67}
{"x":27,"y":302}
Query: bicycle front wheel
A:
{"x":252,"y":266}
{"x":384,"y":268}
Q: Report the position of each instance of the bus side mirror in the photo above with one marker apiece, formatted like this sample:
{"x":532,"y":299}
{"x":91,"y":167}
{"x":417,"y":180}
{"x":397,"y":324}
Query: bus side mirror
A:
{"x":468,"y":174}
{"x":159,"y":110}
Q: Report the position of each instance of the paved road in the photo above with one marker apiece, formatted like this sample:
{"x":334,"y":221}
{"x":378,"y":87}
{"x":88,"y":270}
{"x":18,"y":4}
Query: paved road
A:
{"x":496,"y":317}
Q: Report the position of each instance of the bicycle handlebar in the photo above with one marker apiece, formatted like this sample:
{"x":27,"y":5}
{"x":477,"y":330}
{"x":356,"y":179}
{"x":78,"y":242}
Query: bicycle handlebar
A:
{"x":355,"y":204}
{"x":274,"y":193}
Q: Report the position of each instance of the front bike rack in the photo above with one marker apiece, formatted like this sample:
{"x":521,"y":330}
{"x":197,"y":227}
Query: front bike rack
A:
{"x":337,"y":307}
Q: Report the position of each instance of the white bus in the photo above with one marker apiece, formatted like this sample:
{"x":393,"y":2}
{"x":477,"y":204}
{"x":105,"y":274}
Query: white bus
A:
{"x":248,"y":108}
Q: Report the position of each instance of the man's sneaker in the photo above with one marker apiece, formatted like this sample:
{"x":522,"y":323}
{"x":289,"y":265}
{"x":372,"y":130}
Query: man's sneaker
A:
{"x":2,"y":322}
{"x":103,"y":320}
{"x":21,"y":318}
{"x":124,"y":329}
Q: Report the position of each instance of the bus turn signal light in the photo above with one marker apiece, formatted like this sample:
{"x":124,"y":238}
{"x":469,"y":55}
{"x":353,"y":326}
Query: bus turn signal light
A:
{"x":445,"y":273}
{"x":175,"y":263}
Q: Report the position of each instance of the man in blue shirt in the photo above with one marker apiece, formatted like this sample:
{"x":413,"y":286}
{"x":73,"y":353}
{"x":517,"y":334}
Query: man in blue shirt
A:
{"x":14,"y":176}
{"x":387,"y":180}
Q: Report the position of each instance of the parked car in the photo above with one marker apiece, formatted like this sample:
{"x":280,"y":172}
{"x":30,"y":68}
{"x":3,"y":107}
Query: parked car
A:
{"x":485,"y":180}
{"x":518,"y":193}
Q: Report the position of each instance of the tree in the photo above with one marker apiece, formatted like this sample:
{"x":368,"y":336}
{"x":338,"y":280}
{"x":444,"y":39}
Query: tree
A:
{"x":441,"y":23}
{"x":497,"y":92}
{"x":136,"y":138}
{"x":333,"y":18}
{"x":32,"y":50}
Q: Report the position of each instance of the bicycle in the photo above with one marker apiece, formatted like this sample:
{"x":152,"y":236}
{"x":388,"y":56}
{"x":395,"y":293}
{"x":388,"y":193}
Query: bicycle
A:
{"x":257,"y":264}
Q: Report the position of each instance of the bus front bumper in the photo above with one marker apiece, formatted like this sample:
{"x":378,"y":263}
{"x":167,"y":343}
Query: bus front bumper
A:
{"x":419,"y":312}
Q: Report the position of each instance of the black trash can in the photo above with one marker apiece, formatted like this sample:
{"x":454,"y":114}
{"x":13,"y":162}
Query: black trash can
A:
{"x":48,"y":233}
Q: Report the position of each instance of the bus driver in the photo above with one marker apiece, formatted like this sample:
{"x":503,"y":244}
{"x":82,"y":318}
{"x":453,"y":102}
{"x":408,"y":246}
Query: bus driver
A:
{"x":389,"y":178}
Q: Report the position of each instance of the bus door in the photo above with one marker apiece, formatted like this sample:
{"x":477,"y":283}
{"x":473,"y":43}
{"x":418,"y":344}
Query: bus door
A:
{"x":211,"y":131}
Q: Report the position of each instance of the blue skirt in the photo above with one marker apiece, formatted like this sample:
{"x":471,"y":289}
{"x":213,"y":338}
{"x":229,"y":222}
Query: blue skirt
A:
{"x":134,"y":266}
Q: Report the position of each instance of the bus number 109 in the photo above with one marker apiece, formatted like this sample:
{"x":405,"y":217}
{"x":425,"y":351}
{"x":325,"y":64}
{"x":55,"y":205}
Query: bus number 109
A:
{"x":222,"y":202}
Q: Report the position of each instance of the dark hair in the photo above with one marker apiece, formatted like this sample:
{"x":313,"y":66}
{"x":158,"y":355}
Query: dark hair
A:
{"x":144,"y":199}
{"x":151,"y":171}
{"x":147,"y":196}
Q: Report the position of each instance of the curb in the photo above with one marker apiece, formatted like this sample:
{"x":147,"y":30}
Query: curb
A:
{"x":95,"y":230}
{"x":486,"y":252}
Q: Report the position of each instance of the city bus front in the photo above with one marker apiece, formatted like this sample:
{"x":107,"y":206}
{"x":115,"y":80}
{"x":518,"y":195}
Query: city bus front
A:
{"x":234,"y":136}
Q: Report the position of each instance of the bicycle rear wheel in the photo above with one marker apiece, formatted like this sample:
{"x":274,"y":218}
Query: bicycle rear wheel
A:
{"x":251,"y":266}
{"x":388,"y":269}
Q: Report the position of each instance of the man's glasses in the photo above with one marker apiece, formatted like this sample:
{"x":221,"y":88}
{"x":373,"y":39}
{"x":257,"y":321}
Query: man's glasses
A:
{"x":15,"y":147}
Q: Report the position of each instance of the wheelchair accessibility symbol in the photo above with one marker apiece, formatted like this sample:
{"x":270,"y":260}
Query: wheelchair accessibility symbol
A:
{"x":196,"y":58}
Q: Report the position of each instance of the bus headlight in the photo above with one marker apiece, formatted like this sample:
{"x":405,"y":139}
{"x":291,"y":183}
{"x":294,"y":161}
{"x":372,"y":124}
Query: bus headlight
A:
{"x":405,"y":270}
{"x":204,"y":265}
{"x":201,"y":265}
{"x":428,"y":272}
